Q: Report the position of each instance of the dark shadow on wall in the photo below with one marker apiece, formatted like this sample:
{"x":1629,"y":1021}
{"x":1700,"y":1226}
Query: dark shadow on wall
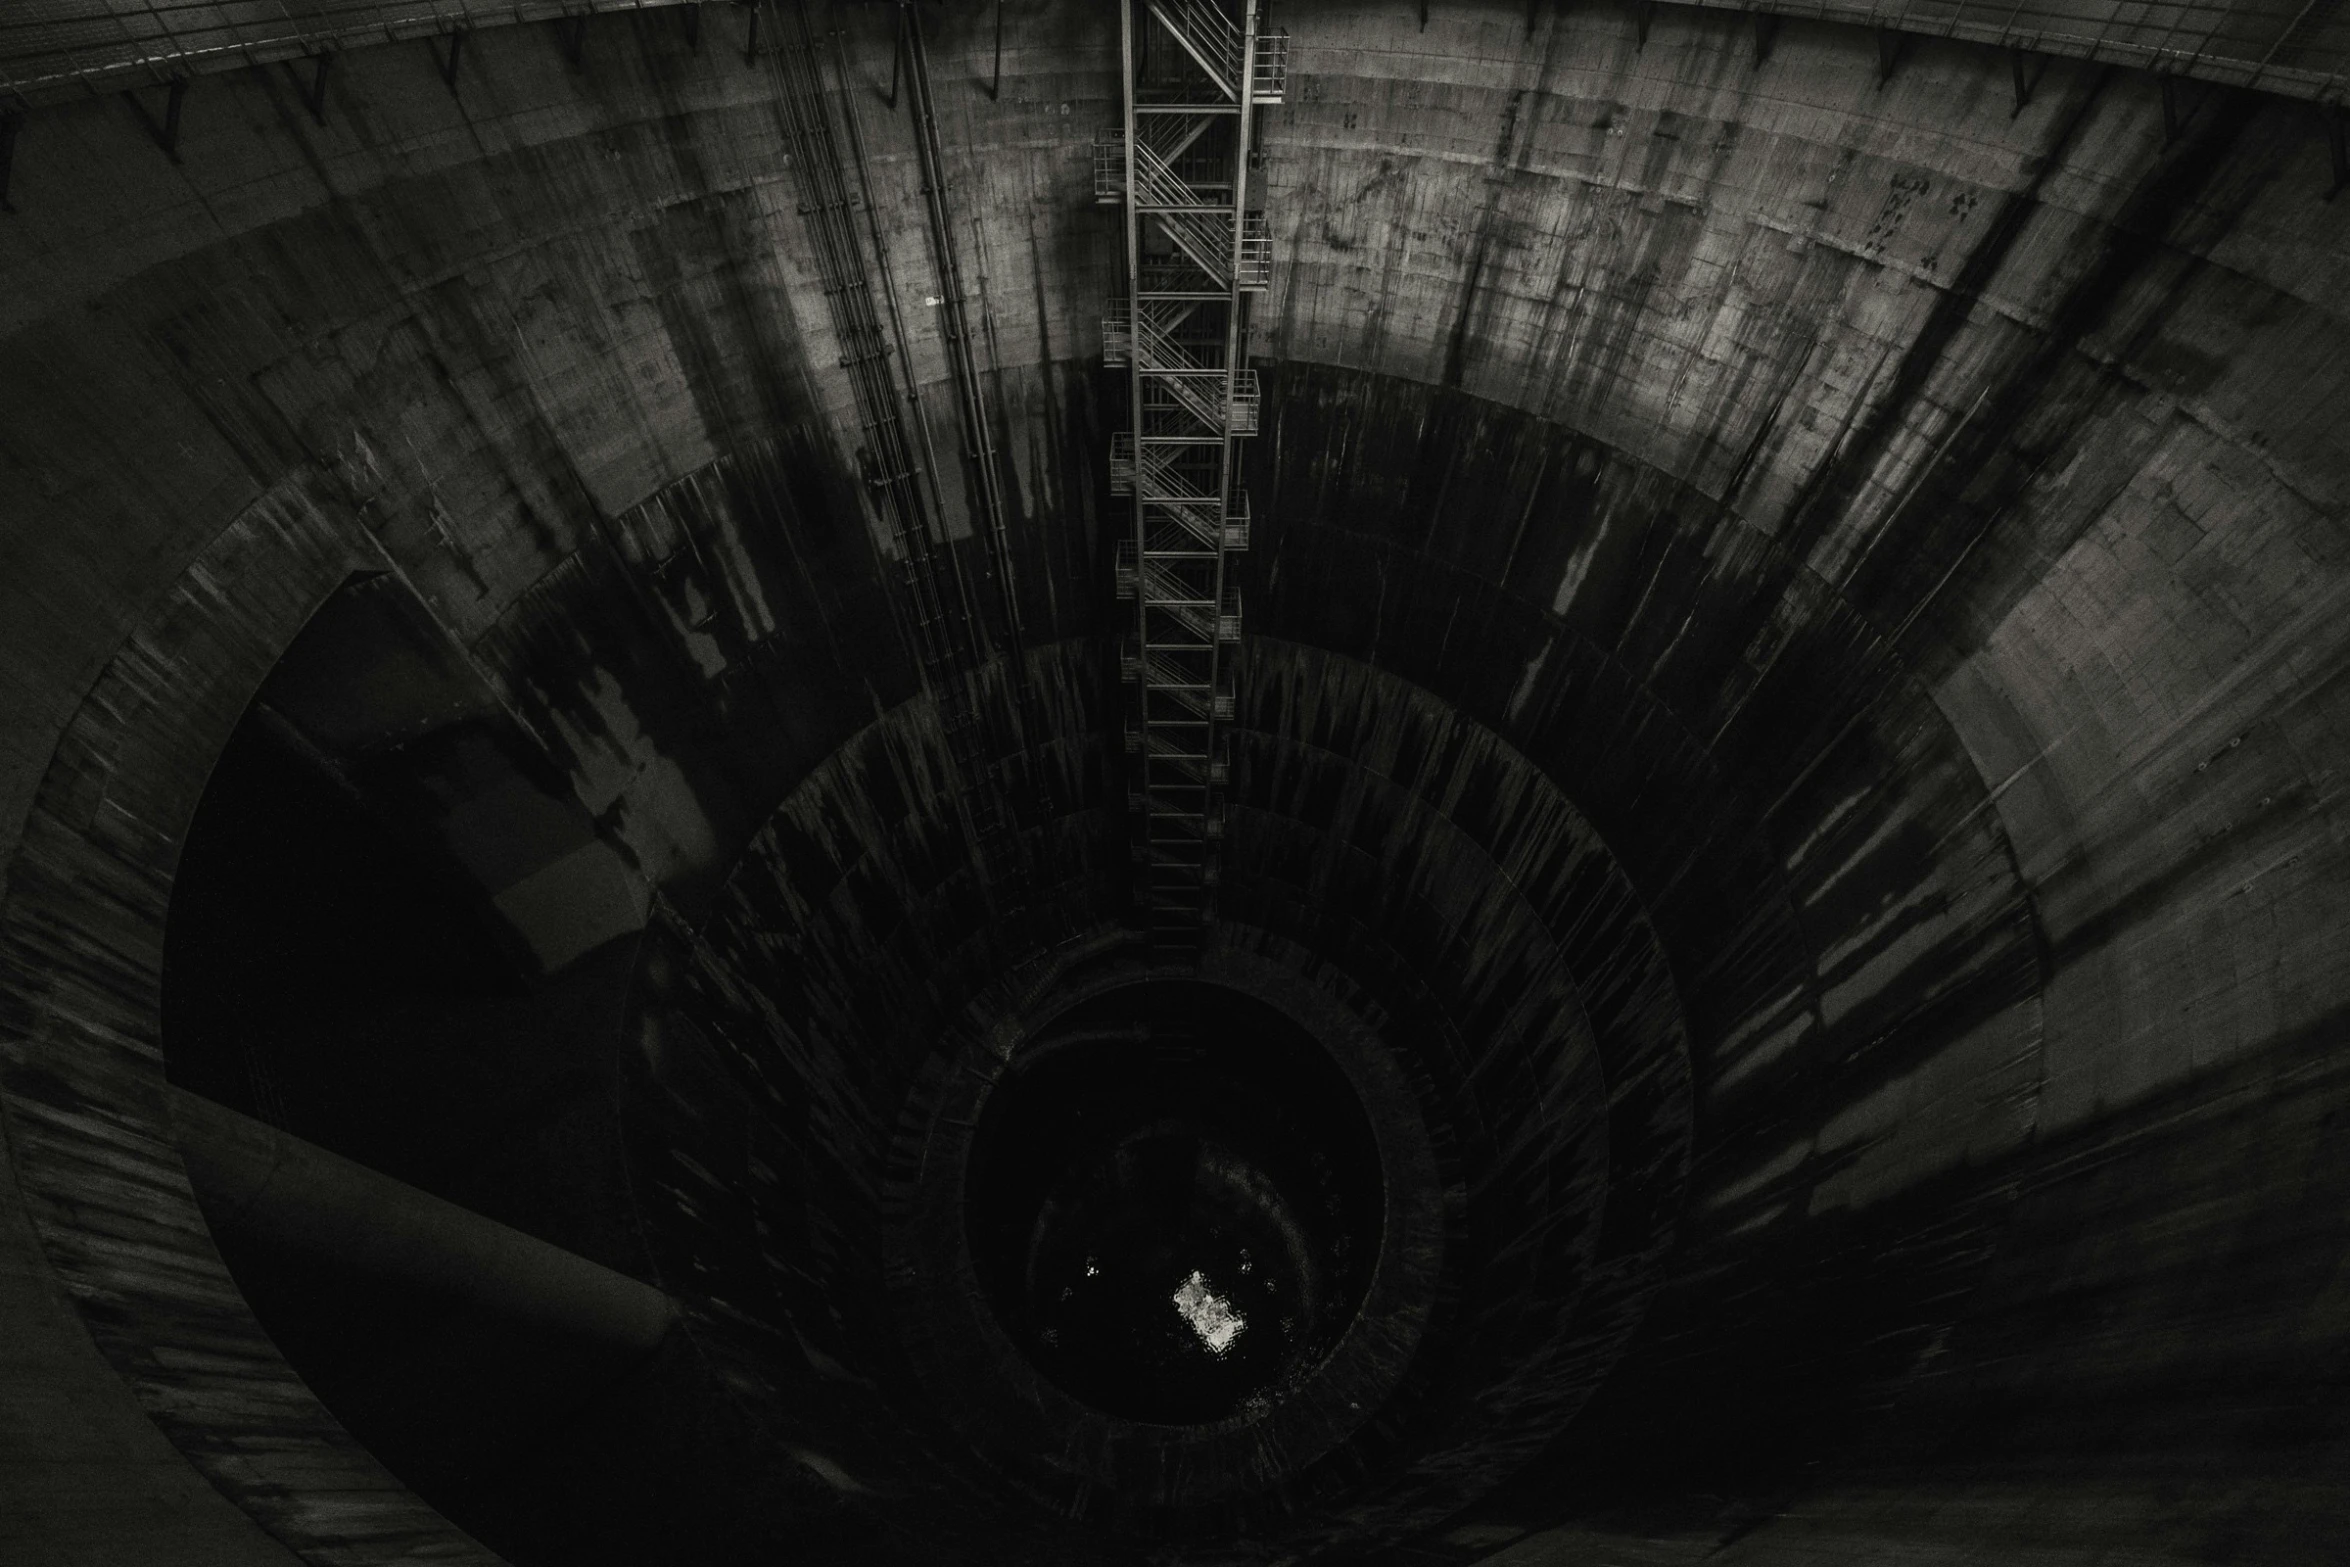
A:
{"x":338,"y":964}
{"x":364,"y":947}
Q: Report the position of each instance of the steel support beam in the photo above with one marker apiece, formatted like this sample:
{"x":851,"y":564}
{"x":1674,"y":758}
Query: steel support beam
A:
{"x":166,"y":132}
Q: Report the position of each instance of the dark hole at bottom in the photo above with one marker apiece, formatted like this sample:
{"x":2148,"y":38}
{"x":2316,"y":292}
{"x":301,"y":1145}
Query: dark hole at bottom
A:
{"x":1175,"y":1202}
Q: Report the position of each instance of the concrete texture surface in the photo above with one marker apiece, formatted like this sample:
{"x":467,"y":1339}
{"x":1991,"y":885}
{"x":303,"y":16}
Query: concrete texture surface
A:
{"x":1905,"y":531}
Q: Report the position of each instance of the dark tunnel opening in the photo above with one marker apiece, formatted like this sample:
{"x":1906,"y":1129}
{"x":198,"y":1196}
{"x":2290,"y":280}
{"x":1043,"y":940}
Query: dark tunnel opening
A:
{"x":1175,"y":1202}
{"x":300,"y":918}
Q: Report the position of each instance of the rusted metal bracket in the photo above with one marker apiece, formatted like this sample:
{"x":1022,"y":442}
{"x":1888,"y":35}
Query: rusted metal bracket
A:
{"x":448,"y":63}
{"x":10,"y":123}
{"x":571,"y":33}
{"x":167,"y":133}
{"x":314,"y":95}
{"x":2174,"y":116}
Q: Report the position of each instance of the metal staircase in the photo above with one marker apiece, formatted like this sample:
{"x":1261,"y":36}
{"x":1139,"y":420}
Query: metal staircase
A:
{"x":1179,"y":166}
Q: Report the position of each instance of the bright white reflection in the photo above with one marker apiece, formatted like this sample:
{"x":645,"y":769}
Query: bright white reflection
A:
{"x":1211,"y":1316}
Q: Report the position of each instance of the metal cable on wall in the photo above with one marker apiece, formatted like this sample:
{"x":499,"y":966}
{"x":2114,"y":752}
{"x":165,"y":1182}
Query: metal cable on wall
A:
{"x":898,"y":459}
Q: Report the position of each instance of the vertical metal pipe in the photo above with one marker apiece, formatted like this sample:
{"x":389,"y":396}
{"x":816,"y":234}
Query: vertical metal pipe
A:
{"x":978,"y":438}
{"x":944,"y":633}
{"x":918,"y":414}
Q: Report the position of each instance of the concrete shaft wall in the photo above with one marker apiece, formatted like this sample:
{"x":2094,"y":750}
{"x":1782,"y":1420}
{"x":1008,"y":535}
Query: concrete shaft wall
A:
{"x":1910,"y":530}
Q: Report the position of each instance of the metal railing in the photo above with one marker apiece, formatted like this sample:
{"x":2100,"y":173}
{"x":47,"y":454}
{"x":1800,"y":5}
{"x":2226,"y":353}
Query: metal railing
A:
{"x":1241,"y":411}
{"x":1255,"y":273}
{"x":1211,"y":38}
{"x":1236,"y":522}
{"x":1109,"y":167}
{"x":1269,"y":81}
